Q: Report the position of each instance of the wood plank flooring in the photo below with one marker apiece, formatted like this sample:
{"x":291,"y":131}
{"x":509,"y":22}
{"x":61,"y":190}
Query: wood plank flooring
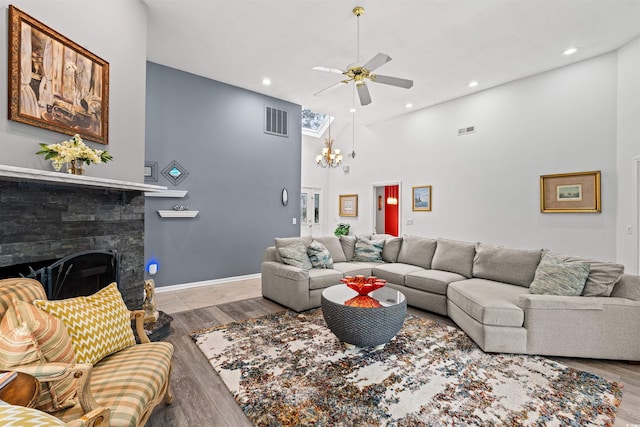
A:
{"x":202,"y":399}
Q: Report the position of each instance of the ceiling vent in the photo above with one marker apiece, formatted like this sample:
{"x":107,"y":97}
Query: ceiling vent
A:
{"x":275,"y":122}
{"x":464,"y":131}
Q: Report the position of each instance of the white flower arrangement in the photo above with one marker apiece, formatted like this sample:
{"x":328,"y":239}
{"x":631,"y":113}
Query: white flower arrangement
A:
{"x":73,"y":150}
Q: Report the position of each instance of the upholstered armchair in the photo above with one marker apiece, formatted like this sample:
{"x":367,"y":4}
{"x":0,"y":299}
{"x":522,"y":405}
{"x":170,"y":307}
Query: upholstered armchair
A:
{"x":83,"y":353}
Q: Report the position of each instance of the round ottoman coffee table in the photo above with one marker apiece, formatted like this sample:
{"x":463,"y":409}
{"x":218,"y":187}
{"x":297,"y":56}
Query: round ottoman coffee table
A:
{"x":372,"y":324}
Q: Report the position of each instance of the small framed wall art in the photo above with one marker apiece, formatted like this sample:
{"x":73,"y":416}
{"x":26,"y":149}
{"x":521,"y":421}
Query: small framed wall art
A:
{"x":421,"y":198}
{"x":55,"y":83}
{"x":348,"y":205}
{"x":570,"y":192}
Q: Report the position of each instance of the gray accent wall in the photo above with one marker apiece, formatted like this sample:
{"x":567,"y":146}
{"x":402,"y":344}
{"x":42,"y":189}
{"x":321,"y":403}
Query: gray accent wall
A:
{"x":236,"y":175}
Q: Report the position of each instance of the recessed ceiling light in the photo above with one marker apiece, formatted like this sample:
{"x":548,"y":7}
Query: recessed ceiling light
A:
{"x":266,"y":81}
{"x":570,"y":51}
{"x":473,"y":84}
{"x":352,"y":110}
{"x":408,"y":105}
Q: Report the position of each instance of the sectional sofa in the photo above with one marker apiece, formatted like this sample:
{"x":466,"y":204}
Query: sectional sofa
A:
{"x":505,"y":299}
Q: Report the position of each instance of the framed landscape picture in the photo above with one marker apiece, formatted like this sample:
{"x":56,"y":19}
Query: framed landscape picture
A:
{"x":421,"y":198}
{"x":55,"y":83}
{"x":348,"y":205}
{"x":570,"y":192}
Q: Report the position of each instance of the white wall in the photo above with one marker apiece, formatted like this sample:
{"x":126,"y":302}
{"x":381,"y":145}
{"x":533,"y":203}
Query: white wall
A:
{"x":486,"y":184}
{"x":628,"y":149}
{"x":115,"y":30}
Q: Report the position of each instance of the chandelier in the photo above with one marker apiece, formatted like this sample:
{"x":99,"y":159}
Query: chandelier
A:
{"x":329,"y":157}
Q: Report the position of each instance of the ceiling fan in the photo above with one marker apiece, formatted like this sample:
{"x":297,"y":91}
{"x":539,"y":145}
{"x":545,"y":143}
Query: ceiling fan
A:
{"x":361,"y":73}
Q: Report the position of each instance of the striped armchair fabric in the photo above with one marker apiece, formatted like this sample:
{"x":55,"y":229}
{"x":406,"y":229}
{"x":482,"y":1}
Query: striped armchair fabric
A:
{"x":122,"y":388}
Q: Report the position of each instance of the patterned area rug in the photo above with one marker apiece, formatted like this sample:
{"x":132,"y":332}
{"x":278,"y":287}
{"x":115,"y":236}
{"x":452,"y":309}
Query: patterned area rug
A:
{"x":289,"y":369}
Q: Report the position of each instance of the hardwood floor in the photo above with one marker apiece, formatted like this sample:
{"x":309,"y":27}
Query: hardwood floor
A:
{"x":202,"y":399}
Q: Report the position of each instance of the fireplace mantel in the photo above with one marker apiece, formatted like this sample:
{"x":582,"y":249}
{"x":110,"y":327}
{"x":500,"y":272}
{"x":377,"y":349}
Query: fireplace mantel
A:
{"x":14,"y":173}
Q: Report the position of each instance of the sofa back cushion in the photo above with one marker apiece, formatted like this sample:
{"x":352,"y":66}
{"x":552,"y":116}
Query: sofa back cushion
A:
{"x":332,"y":243}
{"x":454,"y":256}
{"x":417,"y":251}
{"x":514,"y":266}
{"x":391,"y":249}
{"x":628,"y":287}
{"x":348,"y":244}
{"x":286,"y":241}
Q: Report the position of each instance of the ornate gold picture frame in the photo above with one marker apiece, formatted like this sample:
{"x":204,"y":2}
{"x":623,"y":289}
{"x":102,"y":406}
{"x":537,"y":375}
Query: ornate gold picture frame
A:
{"x":55,"y":83}
{"x":570,"y":192}
{"x":421,"y":198}
{"x":348,"y":205}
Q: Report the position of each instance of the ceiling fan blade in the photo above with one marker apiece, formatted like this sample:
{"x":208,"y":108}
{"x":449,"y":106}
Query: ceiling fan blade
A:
{"x":393,"y":81}
{"x":363,"y":94}
{"x":333,"y":86}
{"x":329,"y":69}
{"x":377,"y":61}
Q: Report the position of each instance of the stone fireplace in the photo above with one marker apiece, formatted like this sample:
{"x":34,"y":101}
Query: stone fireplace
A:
{"x":47,"y":218}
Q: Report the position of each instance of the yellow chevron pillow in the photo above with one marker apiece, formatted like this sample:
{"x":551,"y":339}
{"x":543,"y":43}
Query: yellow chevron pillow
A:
{"x":98,"y":325}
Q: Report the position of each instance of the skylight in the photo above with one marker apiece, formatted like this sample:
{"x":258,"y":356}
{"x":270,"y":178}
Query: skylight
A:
{"x":314,"y":124}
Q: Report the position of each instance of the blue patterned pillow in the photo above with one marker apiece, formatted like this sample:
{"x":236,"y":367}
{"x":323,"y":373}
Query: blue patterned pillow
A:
{"x":319,"y":255}
{"x":295,"y":255}
{"x":368,"y":250}
{"x":556,"y":277}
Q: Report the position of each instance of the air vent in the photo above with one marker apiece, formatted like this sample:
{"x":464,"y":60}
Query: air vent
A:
{"x":275,"y":122}
{"x":464,"y":131}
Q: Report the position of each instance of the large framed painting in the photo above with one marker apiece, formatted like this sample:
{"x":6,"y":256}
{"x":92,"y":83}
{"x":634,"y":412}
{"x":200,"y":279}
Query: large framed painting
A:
{"x":421,"y":196}
{"x":54,"y":83}
{"x":348,"y":205}
{"x":570,"y":192}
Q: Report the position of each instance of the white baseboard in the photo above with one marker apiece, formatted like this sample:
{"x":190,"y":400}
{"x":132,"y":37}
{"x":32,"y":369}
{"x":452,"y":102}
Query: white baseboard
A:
{"x":178,"y":287}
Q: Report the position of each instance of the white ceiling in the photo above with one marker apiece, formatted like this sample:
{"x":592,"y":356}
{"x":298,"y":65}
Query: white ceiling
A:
{"x":440,"y":44}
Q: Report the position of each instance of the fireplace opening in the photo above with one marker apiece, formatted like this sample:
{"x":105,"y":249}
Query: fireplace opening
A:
{"x":80,"y":274}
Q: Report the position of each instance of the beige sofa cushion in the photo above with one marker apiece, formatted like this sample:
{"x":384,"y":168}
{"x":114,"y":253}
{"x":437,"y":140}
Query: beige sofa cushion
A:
{"x":417,"y":251}
{"x":391,"y":249}
{"x":456,"y":257}
{"x":488,"y":302}
{"x":320,"y":278}
{"x":332,"y":243}
{"x":434,"y":281}
{"x":602,"y":275}
{"x":394,"y":273}
{"x":348,"y":244}
{"x":514,"y":266}
{"x":354,"y":268}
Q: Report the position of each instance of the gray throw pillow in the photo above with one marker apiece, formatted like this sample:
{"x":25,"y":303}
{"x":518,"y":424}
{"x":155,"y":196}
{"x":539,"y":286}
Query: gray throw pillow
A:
{"x":295,"y":255}
{"x":368,"y":250}
{"x":391,"y":249}
{"x":557,"y":277}
{"x":417,"y":251}
{"x":602,"y":275}
{"x":319,"y":255}
{"x":454,"y":256}
{"x":514,"y":266}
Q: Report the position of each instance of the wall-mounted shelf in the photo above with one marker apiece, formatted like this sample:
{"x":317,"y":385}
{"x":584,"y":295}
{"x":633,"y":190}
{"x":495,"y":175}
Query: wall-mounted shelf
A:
{"x":167,"y":193}
{"x":178,"y":214}
{"x":14,"y":173}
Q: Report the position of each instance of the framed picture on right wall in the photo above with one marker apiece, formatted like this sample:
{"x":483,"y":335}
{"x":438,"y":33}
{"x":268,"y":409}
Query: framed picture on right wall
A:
{"x":570,"y":192}
{"x":421,"y":198}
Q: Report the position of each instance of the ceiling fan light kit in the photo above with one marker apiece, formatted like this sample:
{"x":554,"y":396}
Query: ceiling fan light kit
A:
{"x":360,"y":74}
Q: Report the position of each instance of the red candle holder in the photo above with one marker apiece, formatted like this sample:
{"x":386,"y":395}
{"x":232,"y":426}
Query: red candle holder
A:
{"x":362,"y":285}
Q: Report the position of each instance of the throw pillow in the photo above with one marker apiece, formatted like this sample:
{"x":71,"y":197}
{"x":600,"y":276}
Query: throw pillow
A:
{"x":281,"y":242}
{"x":31,"y":336}
{"x":332,"y":243}
{"x":98,"y":325}
{"x":602,"y":276}
{"x":295,"y":255}
{"x":556,"y":277}
{"x":319,"y":255}
{"x":368,"y":250}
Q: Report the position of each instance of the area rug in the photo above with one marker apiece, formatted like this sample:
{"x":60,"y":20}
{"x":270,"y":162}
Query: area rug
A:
{"x":288,"y":369}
